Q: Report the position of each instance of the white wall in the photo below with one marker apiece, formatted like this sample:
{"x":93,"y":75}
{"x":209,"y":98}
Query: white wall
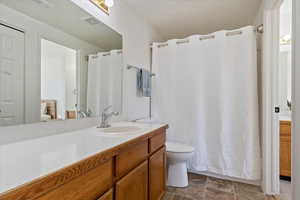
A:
{"x":285,"y":18}
{"x":284,"y":79}
{"x":296,"y":101}
{"x":34,"y":31}
{"x":285,"y":58}
{"x":137,"y":36}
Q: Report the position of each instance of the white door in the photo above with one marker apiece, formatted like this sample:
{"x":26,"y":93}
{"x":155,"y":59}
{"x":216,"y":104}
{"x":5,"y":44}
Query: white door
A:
{"x":11,"y":76}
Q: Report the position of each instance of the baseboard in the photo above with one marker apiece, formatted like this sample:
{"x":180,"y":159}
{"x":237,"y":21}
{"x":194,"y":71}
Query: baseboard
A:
{"x":250,"y":182}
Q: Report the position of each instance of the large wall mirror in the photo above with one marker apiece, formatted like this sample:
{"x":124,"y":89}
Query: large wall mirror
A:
{"x":57,"y":62}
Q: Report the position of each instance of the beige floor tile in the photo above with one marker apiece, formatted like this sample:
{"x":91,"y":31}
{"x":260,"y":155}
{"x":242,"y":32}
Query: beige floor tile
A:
{"x":193,"y":191}
{"x":218,"y":184}
{"x":207,"y":188}
{"x":212,"y":194}
{"x":250,"y":195}
{"x":242,"y":187}
{"x":197,"y":179}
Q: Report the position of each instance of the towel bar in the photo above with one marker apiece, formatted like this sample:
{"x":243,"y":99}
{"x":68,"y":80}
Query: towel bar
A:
{"x":136,"y":68}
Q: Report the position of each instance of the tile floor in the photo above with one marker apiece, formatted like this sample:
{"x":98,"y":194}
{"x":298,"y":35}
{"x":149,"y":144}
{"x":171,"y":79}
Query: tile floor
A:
{"x":207,"y":188}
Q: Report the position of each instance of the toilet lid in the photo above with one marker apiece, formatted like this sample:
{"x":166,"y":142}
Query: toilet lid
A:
{"x":179,"y":148}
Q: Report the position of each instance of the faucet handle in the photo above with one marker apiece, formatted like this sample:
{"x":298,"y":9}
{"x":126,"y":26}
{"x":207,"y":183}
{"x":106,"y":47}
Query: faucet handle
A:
{"x":107,"y":108}
{"x":115,"y":113}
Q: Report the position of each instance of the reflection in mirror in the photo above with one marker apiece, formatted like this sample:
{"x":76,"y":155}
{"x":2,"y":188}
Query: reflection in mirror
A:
{"x":57,"y":62}
{"x":58,"y":82}
{"x":105,"y":82}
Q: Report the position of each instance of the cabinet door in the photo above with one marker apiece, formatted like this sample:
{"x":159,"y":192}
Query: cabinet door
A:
{"x":134,"y":186}
{"x":285,"y":156}
{"x":285,"y":148}
{"x":157,"y":175}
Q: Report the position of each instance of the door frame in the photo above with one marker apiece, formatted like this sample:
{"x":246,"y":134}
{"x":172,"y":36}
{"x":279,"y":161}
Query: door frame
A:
{"x":270,"y":124}
{"x":296,"y":101}
{"x":78,"y":80}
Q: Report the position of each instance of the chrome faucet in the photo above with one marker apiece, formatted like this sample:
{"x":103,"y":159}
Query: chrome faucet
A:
{"x":105,"y":116}
{"x":82,"y":114}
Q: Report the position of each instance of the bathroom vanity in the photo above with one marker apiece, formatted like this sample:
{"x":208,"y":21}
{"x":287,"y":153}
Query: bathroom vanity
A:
{"x":104,"y":166}
{"x":285,"y":149}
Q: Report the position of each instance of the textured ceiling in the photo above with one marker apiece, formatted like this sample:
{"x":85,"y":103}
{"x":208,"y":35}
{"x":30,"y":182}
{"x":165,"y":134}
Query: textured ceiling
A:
{"x":181,"y":18}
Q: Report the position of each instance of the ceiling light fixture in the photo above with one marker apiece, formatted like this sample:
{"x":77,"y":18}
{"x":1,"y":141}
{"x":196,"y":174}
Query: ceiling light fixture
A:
{"x":109,"y":3}
{"x":102,"y":4}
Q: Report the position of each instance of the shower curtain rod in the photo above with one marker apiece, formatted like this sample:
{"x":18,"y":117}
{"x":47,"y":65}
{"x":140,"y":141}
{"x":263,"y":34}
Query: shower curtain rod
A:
{"x":258,"y":29}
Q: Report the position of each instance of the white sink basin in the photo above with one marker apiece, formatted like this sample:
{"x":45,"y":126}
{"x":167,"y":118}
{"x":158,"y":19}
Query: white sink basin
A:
{"x":121,"y":129}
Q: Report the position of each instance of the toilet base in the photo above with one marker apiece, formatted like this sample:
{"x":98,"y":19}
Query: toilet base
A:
{"x":177,"y":174}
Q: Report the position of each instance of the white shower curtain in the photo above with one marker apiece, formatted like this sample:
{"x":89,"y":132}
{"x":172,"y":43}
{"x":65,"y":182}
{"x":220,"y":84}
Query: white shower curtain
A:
{"x":105,"y":75}
{"x":205,"y":88}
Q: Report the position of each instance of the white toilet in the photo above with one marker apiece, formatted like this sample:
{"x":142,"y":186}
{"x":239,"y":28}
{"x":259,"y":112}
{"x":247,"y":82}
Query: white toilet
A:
{"x":177,"y":157}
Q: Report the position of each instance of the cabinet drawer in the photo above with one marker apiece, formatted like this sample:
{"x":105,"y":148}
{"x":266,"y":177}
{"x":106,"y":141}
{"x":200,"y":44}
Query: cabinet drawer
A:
{"x":107,"y":196}
{"x":285,"y":128}
{"x":131,"y":157}
{"x":89,"y":186}
{"x":157,"y":141}
{"x":285,"y":156}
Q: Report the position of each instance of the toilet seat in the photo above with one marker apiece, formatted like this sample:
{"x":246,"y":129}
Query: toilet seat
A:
{"x":178,"y":148}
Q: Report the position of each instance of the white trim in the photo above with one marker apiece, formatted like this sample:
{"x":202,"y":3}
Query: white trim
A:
{"x":275,"y":102}
{"x":270,"y":144}
{"x":296,"y":101}
{"x":78,"y":79}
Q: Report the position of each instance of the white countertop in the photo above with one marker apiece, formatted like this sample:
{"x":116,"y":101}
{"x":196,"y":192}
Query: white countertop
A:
{"x":25,"y":161}
{"x":285,"y":118}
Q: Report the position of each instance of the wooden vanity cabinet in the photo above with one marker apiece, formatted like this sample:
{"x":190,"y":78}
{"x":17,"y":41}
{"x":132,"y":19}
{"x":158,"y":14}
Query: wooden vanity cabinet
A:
{"x":89,"y":186}
{"x":285,"y":149}
{"x":147,"y":181}
{"x":157,"y":141}
{"x":134,"y":170}
{"x":131,"y":157}
{"x":157,"y":174}
{"x":134,"y":186}
{"x":107,"y":196}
